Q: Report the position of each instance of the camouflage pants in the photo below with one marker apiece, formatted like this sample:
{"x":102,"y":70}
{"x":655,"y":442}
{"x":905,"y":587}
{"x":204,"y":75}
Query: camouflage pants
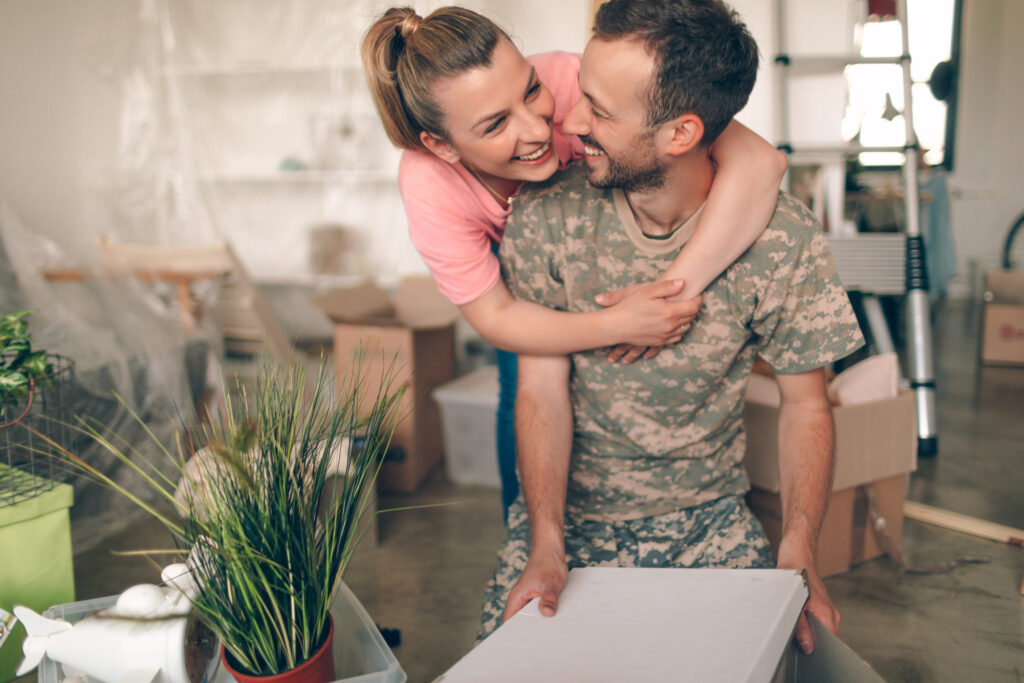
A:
{"x":723,"y":533}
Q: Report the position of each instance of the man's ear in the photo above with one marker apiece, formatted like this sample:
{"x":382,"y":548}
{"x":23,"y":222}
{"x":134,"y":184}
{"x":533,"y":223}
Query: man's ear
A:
{"x":687,"y":131}
{"x":441,"y":148}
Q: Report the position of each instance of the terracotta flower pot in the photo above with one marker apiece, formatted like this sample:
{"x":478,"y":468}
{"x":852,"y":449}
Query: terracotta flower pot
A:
{"x":317,"y":669}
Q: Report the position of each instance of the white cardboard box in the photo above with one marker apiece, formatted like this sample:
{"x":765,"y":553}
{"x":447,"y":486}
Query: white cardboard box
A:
{"x":616,"y":624}
{"x":640,"y":625}
{"x":469,"y":407}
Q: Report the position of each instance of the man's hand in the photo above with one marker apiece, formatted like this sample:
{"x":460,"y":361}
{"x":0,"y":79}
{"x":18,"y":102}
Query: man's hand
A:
{"x":818,"y":603}
{"x":544,"y":577}
{"x":647,"y":319}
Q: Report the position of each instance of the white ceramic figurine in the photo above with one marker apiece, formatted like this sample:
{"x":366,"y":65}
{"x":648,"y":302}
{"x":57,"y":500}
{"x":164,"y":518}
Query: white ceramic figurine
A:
{"x":149,"y":635}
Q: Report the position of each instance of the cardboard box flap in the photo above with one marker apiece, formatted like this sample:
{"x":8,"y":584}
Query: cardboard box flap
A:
{"x":1004,"y":286}
{"x":420,"y":304}
{"x":363,"y":303}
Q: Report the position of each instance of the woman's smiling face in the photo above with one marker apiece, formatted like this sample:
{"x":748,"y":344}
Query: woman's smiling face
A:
{"x":498,"y":120}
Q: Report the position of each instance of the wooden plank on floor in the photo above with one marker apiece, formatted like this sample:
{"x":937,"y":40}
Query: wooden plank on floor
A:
{"x":962,"y":523}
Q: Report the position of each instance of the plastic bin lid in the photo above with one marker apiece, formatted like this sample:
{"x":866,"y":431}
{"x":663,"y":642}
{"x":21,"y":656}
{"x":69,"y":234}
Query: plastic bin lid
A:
{"x":477,"y":387}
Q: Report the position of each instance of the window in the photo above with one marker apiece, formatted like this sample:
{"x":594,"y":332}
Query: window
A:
{"x":875,"y":91}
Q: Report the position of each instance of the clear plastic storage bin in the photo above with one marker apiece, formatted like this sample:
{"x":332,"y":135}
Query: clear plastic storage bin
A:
{"x":360,"y":653}
{"x":469,"y":408}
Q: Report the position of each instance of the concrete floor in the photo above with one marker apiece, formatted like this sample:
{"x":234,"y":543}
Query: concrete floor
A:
{"x":427,"y":574}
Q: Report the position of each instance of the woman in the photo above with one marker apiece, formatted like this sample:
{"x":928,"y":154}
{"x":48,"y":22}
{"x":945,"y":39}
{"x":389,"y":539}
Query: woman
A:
{"x":477,"y":119}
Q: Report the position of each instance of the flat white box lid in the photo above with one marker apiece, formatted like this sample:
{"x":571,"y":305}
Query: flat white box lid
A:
{"x":615,"y":624}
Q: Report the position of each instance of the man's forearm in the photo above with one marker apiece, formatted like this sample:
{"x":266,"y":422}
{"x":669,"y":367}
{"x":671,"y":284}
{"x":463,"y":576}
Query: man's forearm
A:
{"x":544,"y":442}
{"x":806,"y":443}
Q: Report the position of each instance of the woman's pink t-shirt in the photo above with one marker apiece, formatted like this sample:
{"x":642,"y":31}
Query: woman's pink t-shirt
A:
{"x":453,"y":219}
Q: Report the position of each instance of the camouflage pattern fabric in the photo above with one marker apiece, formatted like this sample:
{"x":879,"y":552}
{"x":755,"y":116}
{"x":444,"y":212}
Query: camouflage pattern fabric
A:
{"x":663,"y":435}
{"x":722,"y":534}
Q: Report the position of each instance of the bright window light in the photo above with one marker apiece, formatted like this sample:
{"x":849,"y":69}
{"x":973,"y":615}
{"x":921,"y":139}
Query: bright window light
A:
{"x":875,"y":105}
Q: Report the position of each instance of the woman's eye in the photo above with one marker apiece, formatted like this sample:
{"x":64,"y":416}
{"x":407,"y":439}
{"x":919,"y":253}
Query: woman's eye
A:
{"x":532,"y":92}
{"x":498,"y":123}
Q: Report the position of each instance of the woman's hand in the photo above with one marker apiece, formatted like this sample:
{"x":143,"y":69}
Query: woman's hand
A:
{"x":646,"y":319}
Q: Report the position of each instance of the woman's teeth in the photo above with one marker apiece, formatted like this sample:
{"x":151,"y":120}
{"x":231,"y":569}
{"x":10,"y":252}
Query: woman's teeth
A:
{"x":536,"y":155}
{"x":592,"y":151}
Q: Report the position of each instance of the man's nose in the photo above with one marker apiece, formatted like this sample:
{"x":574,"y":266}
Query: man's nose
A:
{"x":576,"y":122}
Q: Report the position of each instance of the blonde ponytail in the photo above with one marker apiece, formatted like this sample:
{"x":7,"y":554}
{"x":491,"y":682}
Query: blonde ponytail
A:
{"x":404,"y":55}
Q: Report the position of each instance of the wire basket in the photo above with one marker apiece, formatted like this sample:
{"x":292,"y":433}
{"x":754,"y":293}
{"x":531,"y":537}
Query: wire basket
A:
{"x":25,"y":468}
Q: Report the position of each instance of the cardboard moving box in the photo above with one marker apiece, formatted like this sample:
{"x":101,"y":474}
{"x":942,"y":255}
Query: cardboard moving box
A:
{"x":414,"y":335}
{"x":847,"y":537}
{"x":1002,"y":337}
{"x":875,"y":440}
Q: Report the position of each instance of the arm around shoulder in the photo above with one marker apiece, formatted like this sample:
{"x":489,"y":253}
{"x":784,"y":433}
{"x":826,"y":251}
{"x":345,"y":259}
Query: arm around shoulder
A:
{"x":738,"y":208}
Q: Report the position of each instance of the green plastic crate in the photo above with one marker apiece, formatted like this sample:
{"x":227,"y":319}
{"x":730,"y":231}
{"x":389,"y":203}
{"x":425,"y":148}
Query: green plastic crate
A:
{"x":35,"y":561}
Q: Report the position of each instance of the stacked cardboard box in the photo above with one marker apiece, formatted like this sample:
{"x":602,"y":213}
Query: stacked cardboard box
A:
{"x":411,"y":337}
{"x":1002,"y":338}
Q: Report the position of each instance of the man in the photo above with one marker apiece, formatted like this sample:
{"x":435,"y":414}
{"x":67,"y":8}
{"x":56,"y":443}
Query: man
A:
{"x":641,"y":464}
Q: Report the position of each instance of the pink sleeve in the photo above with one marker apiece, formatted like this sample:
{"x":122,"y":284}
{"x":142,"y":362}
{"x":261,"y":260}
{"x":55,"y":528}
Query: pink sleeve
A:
{"x":559,"y":71}
{"x":449,"y":227}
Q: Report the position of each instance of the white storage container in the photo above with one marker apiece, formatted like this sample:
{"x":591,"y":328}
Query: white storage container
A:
{"x":360,"y":653}
{"x":469,"y":408}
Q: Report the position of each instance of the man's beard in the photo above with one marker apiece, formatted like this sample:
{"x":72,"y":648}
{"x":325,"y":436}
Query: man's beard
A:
{"x":635,"y":174}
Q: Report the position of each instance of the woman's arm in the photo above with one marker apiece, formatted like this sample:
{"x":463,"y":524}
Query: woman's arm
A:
{"x":644,"y":317}
{"x":740,"y":204}
{"x":452,"y":230}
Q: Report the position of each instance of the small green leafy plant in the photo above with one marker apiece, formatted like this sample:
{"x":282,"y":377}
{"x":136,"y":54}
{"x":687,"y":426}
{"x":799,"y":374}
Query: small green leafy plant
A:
{"x":20,"y":366}
{"x":267,"y":535}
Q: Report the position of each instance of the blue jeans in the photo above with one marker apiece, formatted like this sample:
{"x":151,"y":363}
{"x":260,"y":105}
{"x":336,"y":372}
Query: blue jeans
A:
{"x":507,"y":373}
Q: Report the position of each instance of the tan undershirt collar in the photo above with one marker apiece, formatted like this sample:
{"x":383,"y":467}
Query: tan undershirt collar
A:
{"x":653,"y":246}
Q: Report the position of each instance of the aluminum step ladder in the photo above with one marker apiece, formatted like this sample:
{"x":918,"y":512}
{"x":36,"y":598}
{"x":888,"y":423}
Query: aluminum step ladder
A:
{"x":862,"y":260}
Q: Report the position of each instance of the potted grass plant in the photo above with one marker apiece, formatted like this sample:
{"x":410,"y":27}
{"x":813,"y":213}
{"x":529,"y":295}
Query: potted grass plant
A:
{"x":268,"y":538}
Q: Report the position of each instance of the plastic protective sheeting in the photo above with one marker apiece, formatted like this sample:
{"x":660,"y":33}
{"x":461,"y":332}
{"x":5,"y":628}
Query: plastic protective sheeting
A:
{"x":259,"y":129}
{"x":239,"y":120}
{"x":126,"y":341}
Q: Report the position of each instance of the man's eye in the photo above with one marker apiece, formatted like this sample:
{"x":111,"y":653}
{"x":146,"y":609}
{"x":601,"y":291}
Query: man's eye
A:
{"x":596,"y":113}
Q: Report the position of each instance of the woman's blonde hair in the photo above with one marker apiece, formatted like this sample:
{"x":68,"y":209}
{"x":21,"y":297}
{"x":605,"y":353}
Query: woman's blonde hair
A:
{"x":404,"y":55}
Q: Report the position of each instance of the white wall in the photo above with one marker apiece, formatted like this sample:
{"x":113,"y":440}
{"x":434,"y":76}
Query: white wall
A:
{"x":988,"y":177}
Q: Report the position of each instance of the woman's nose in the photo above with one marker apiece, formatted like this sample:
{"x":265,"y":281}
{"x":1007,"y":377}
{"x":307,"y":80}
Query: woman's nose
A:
{"x":537,"y":127}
